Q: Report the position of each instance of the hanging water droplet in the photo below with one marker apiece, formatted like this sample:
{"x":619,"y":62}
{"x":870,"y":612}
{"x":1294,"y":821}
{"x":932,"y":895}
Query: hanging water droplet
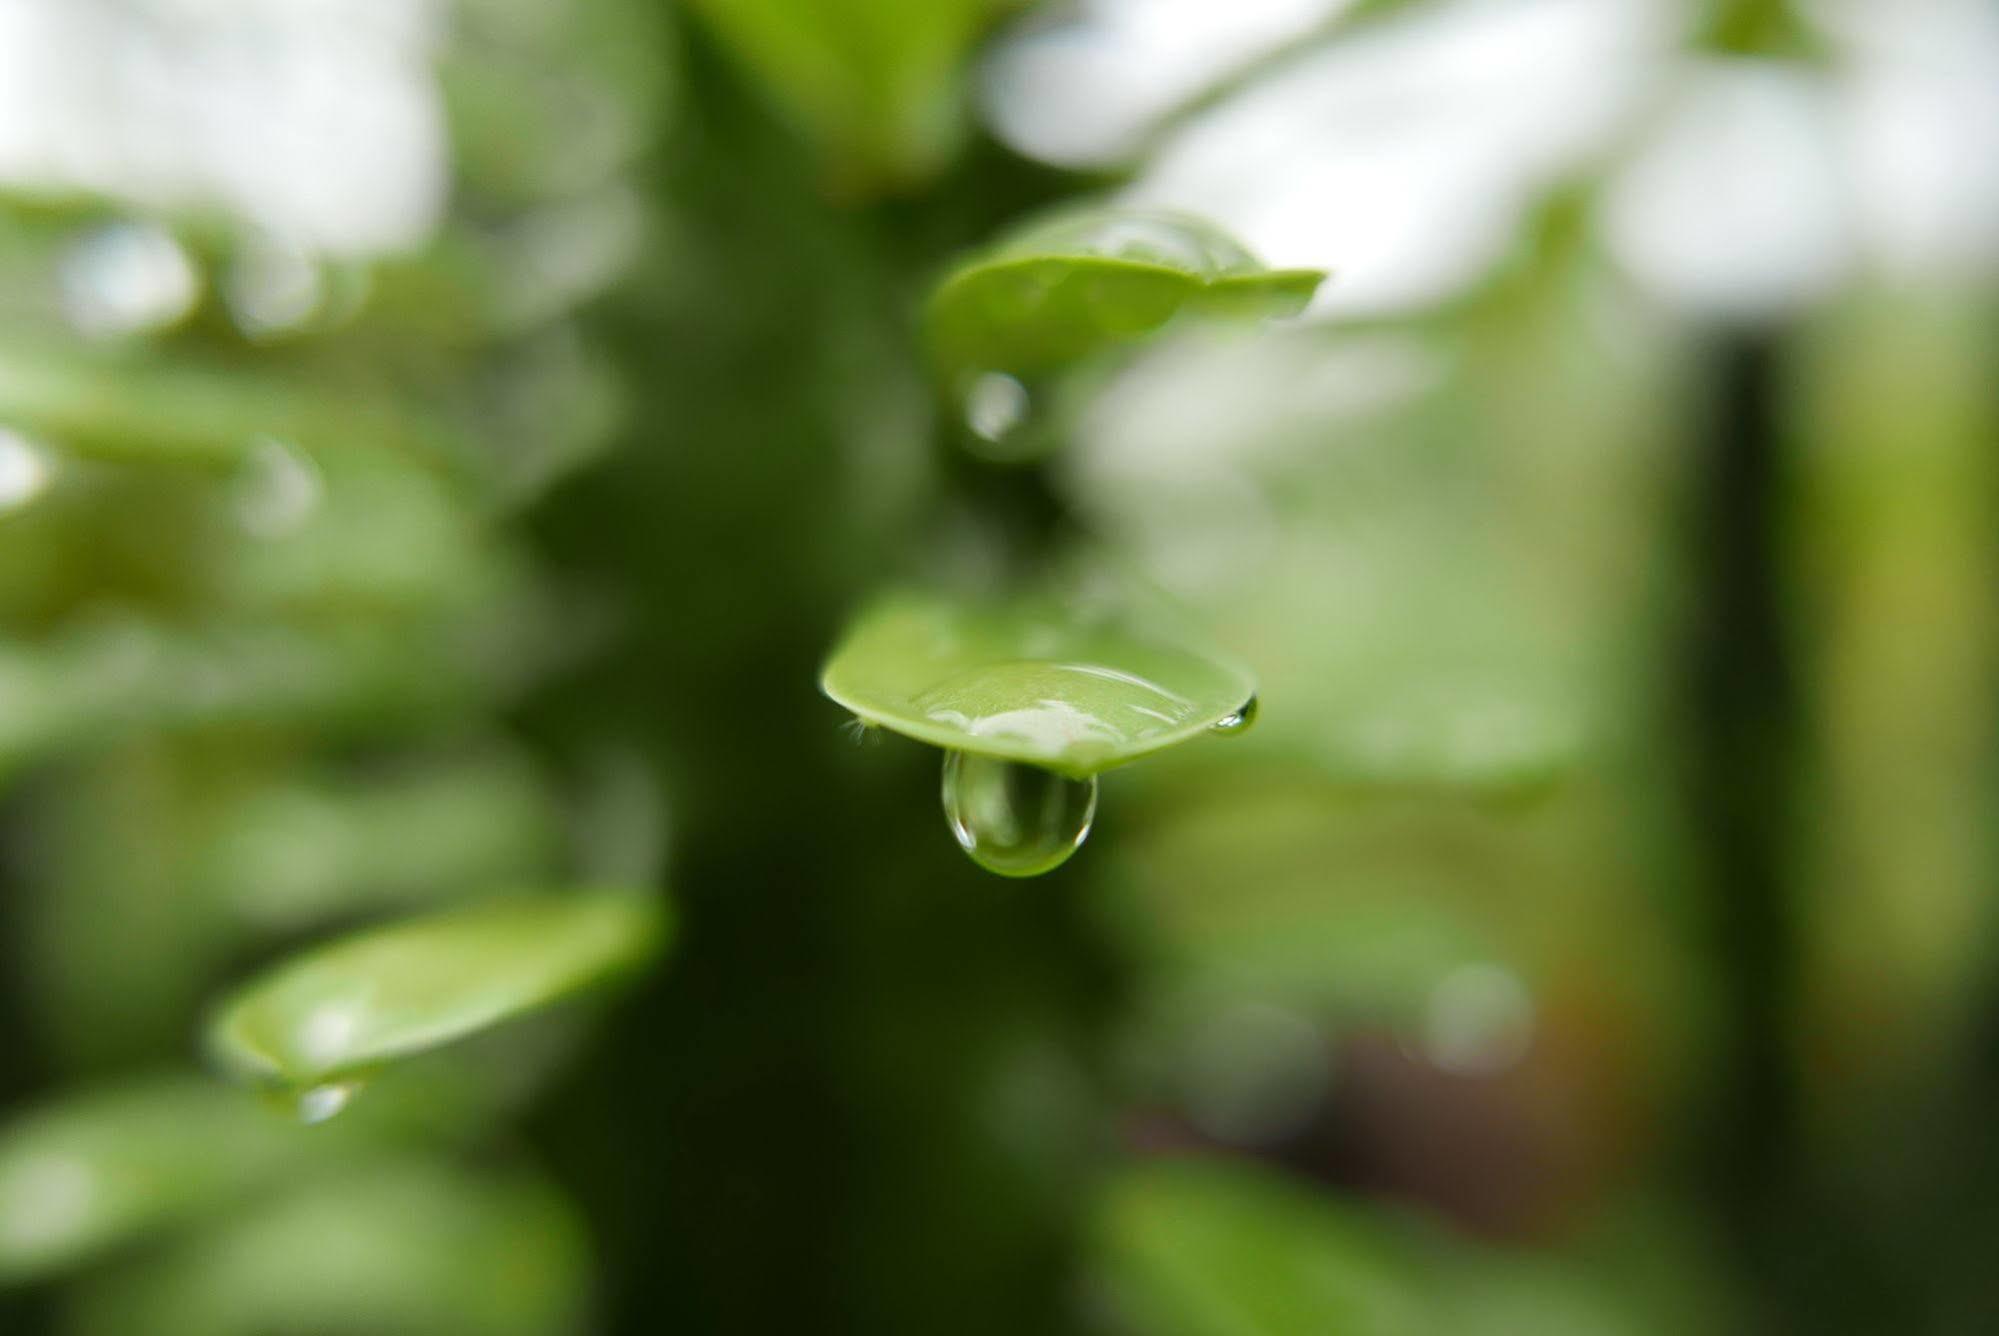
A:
{"x":25,"y":470}
{"x":995,"y":405}
{"x":1238,"y":722}
{"x":316,"y":1104}
{"x":1001,"y":414}
{"x":1014,"y":819}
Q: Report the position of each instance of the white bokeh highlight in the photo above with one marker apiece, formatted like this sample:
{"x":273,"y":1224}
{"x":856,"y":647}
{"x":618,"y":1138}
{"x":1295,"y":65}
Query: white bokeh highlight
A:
{"x":317,"y":120}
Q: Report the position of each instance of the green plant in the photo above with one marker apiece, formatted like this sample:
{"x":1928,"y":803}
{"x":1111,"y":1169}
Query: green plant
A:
{"x":437,"y":899}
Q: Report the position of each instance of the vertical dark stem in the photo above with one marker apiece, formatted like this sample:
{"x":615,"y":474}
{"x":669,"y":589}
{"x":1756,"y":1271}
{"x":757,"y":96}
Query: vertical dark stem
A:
{"x":1743,"y":696}
{"x":22,"y":1070}
{"x":807,"y":1121}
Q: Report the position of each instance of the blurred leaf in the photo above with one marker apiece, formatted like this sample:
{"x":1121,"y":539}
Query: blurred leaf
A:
{"x":118,"y":673}
{"x":875,"y":81}
{"x":1069,"y":285}
{"x":80,"y":1176}
{"x":1208,"y":1248}
{"x":1060,"y":686}
{"x":1194,"y":1247}
{"x":551,"y":99}
{"x":298,"y":847}
{"x":411,"y":986}
{"x":1888,"y":522}
{"x":398,"y":1248}
{"x":1500,"y":1294}
{"x":141,"y":408}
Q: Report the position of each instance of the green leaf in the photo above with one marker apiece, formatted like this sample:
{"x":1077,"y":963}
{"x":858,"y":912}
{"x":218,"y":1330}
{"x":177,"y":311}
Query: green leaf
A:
{"x":875,"y":81}
{"x":95,"y":1170}
{"x":297,"y":848}
{"x":1206,"y":1248}
{"x":1053,"y":684}
{"x":1072,"y":284}
{"x":97,"y":405}
{"x":113,"y":673}
{"x":398,"y":990}
{"x":391,"y":1245}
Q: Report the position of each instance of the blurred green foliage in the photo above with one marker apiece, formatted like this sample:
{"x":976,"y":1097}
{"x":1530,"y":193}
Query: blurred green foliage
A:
{"x":1591,"y":937}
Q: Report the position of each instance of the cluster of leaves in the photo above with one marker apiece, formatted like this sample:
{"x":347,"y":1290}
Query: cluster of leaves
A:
{"x":324,"y":759}
{"x":263,"y":604}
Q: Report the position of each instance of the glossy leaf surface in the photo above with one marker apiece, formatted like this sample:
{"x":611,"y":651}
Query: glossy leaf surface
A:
{"x":1070,"y":285}
{"x":1035,"y":681}
{"x":412,"y":986}
{"x":874,"y":81}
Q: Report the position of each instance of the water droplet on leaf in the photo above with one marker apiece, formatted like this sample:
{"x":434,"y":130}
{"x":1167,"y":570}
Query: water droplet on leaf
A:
{"x":1238,"y":722}
{"x":316,"y":1104}
{"x":1014,"y":819}
{"x":995,"y":405}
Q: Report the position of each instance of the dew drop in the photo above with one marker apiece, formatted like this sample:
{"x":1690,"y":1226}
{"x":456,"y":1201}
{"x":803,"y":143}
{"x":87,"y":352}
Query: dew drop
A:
{"x":995,"y":405}
{"x":316,"y":1104}
{"x":1002,"y":418}
{"x":25,"y":471}
{"x":127,"y":278}
{"x":1238,"y":722}
{"x":1014,"y":819}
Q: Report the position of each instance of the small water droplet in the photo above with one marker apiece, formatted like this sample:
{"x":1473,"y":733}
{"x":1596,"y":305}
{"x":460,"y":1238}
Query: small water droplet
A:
{"x":1014,"y":819}
{"x":316,"y":1104}
{"x":995,"y":405}
{"x":25,"y":470}
{"x":1238,"y":722}
{"x":273,"y":288}
{"x":127,"y":278}
{"x":1005,"y":419}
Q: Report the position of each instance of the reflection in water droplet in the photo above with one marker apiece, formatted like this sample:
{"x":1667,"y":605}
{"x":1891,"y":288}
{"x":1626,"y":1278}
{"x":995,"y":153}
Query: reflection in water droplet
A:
{"x":1013,"y":819}
{"x":278,"y":490}
{"x":1238,"y":722}
{"x":125,"y":278}
{"x":24,"y":471}
{"x":1081,"y":711}
{"x":316,"y":1104}
{"x":995,"y":405}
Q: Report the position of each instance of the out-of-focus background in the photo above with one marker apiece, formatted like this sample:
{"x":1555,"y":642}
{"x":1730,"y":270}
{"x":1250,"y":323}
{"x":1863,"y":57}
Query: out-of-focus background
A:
{"x":439,"y":440}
